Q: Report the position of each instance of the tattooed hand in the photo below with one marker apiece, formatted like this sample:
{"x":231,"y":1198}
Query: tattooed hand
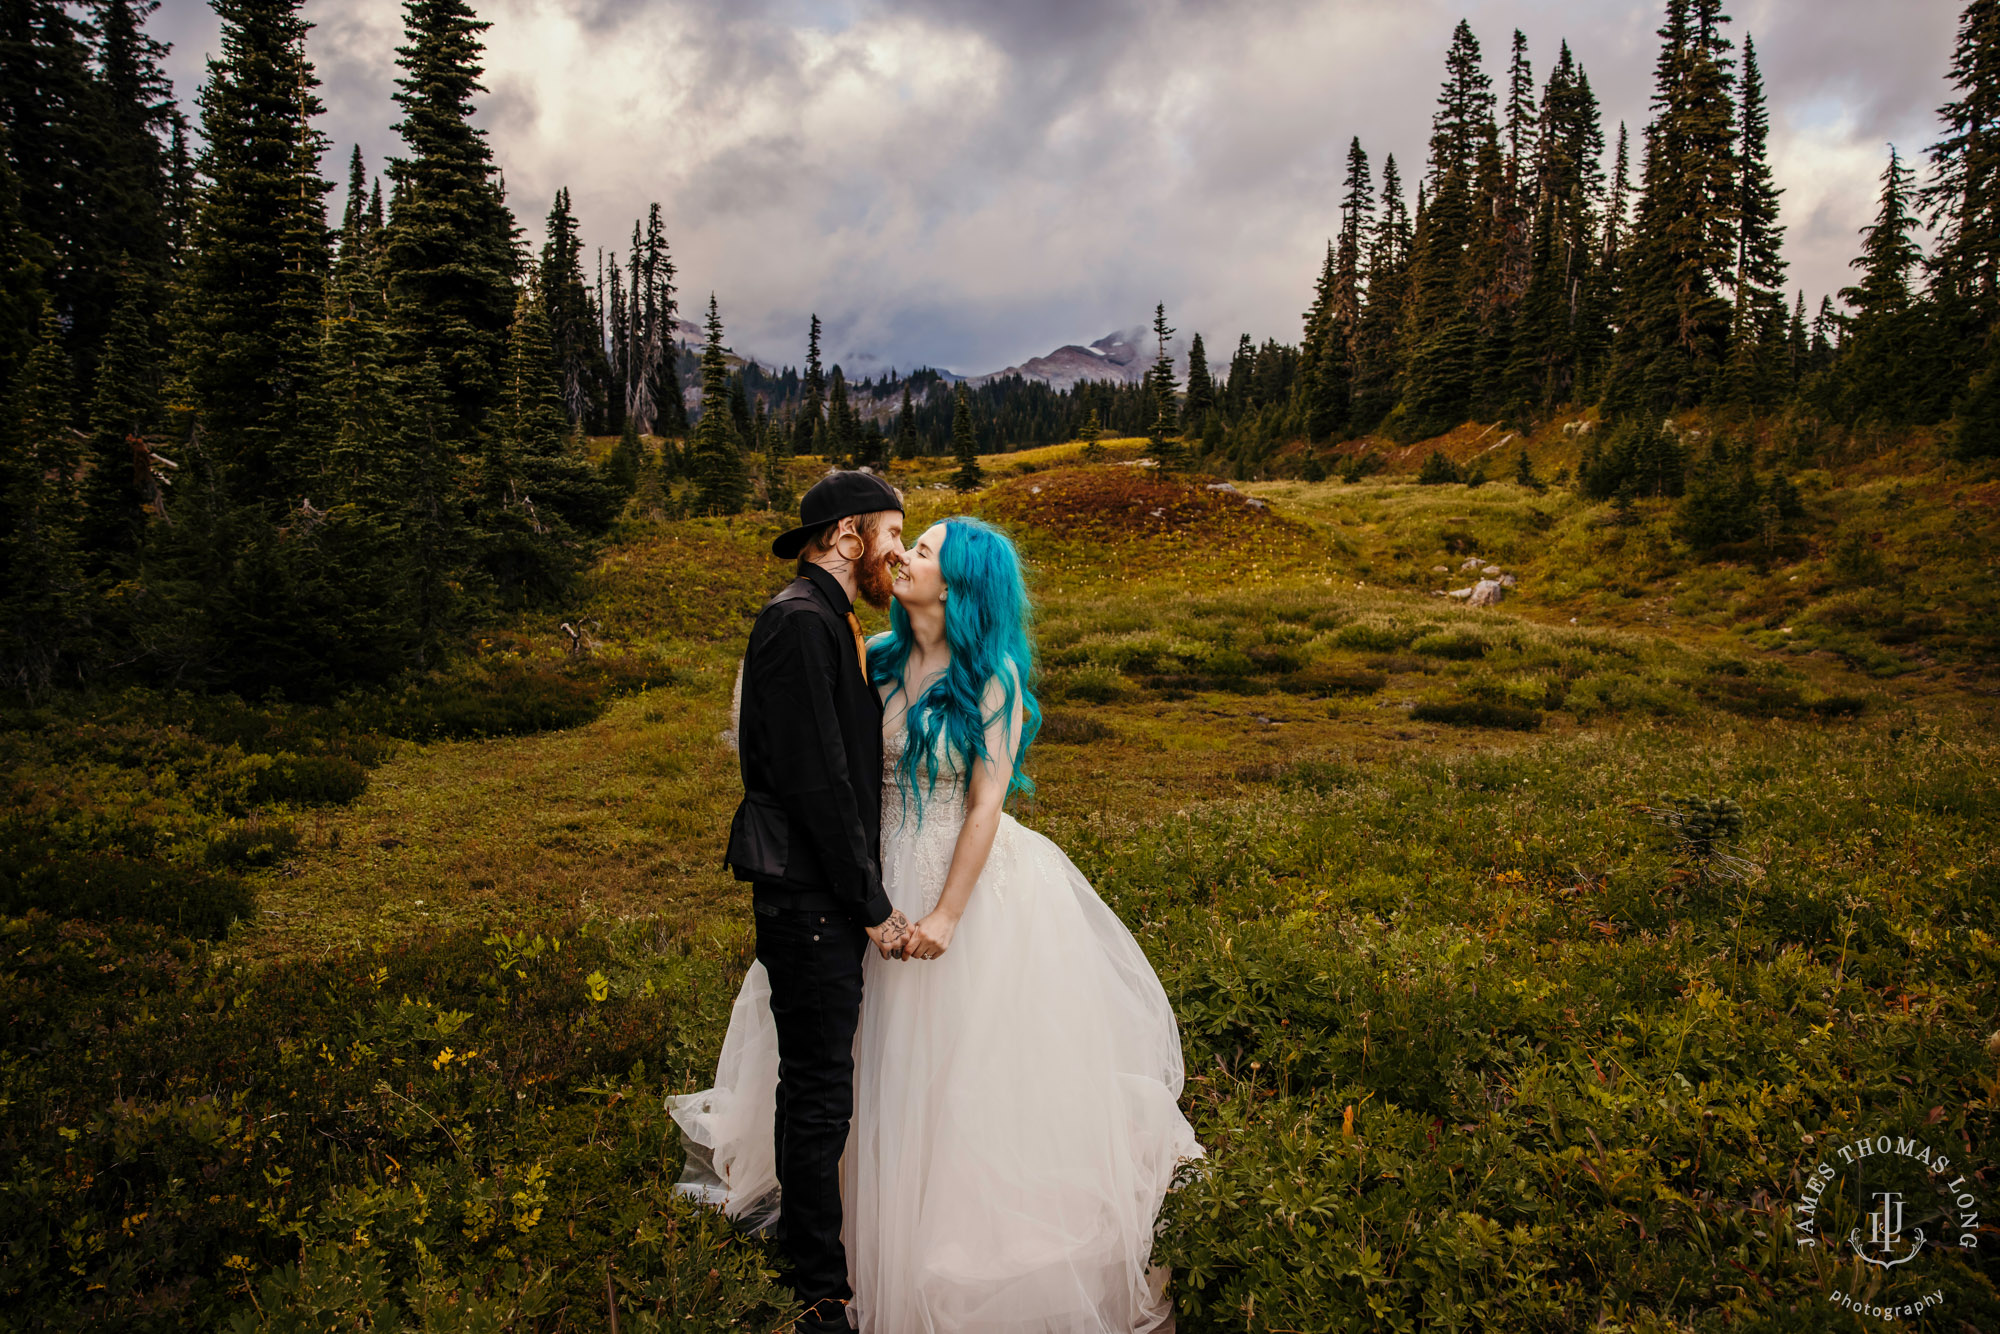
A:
{"x":889,"y":933}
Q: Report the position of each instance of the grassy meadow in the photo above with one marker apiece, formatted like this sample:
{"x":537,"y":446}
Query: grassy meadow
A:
{"x":363,"y":1015}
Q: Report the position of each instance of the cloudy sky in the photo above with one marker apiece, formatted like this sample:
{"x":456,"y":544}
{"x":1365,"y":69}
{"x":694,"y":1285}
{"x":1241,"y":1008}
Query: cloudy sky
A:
{"x":968,"y":183}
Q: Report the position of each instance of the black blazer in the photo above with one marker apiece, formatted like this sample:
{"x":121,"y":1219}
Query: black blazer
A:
{"x":810,"y":739}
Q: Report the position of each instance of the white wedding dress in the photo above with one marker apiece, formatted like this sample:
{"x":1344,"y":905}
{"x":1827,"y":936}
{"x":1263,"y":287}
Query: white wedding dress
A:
{"x":1016,"y":1119}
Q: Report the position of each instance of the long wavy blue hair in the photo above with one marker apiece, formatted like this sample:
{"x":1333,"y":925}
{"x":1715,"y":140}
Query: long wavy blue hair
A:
{"x":986,"y":628}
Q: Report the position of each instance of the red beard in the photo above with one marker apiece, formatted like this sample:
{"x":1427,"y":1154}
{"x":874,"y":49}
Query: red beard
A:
{"x":875,"y":580}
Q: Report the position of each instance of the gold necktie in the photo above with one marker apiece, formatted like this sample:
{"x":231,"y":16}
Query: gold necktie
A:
{"x":860,"y":645}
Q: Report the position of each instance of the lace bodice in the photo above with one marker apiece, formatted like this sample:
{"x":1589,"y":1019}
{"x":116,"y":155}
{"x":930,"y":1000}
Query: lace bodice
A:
{"x":915,"y":857}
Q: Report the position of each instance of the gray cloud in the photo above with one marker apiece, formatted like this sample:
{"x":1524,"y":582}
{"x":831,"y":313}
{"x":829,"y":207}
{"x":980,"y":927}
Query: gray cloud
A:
{"x":971,"y":183}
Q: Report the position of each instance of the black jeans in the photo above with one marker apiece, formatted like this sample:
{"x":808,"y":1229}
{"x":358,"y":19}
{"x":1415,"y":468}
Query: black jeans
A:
{"x":814,"y":959}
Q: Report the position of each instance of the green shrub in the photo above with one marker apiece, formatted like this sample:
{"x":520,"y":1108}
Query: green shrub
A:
{"x":257,"y":844}
{"x":1762,"y":697}
{"x":1324,"y":676}
{"x":1372,"y":637}
{"x":509,"y":700}
{"x":1455,"y":644}
{"x":310,"y":780}
{"x":103,"y":888}
{"x":1477,"y":713}
{"x":1092,"y":684}
{"x":1230,"y":662}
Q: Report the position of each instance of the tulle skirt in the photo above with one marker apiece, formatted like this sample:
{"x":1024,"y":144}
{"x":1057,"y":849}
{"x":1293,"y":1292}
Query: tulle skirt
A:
{"x":1016,"y":1123}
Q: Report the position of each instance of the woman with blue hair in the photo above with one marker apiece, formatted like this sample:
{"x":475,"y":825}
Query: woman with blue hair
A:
{"x":1016,"y":1076}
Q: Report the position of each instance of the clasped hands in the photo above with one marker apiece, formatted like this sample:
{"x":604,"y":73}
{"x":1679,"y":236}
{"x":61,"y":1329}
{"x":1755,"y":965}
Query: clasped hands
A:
{"x":897,"y":937}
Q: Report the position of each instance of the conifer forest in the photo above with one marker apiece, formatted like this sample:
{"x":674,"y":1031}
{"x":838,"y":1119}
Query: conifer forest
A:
{"x":376,"y":556}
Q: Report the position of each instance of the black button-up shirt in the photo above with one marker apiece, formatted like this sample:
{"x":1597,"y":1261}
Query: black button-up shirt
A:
{"x":810,"y":739}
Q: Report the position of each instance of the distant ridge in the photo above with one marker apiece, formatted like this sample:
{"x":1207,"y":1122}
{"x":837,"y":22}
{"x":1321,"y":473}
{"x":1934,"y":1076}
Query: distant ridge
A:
{"x":1116,"y":356}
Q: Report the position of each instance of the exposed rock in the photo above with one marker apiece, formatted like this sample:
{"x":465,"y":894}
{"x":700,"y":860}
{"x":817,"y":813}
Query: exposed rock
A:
{"x":1486,"y":593}
{"x":1506,"y":581}
{"x":1456,"y":592}
{"x":1470,"y":563}
{"x":1440,"y":569}
{"x":1221,"y":486}
{"x":1493,"y":572}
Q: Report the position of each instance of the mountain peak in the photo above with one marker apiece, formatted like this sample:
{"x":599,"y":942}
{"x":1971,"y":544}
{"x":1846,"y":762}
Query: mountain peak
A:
{"x":1116,"y":356}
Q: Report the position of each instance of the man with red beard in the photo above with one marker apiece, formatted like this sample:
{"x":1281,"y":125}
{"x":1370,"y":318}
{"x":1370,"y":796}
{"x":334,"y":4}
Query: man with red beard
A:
{"x":807,"y":837}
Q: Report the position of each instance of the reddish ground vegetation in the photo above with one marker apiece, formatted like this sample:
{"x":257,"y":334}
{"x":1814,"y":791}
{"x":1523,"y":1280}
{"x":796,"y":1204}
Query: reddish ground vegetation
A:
{"x":1113,"y":502}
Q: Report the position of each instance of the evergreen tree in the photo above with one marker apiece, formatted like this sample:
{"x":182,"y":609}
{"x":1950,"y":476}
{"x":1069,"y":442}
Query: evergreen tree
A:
{"x":778,"y":496}
{"x":1236,"y":389}
{"x":1797,"y":344}
{"x":1962,"y":202}
{"x":22,"y":256}
{"x":1522,"y":115}
{"x":1975,"y":424}
{"x":533,"y":420}
{"x":907,"y":444}
{"x":1324,"y":398}
{"x":574,"y":322}
{"x":964,"y":443}
{"x":1757,"y":351}
{"x":117,"y":483}
{"x":1376,"y":365}
{"x":618,"y":349}
{"x":432,"y":524}
{"x":1675,"y":323}
{"x":1511,"y":212}
{"x":54,"y":115}
{"x":1442,"y":324}
{"x":843,"y":431}
{"x":1329,"y":350}
{"x":449,"y":260}
{"x":1167,"y":450}
{"x":1881,"y":349}
{"x":134,"y":188}
{"x":353,"y":406}
{"x":1089,"y":433}
{"x":621,"y":467}
{"x":1438,"y":469}
{"x":1200,"y":400}
{"x":810,"y":424}
{"x":253,"y":278}
{"x":41,"y":593}
{"x":1616,"y":215}
{"x":1524,"y":472}
{"x":720,"y":483}
{"x":533,"y":491}
{"x":653,"y":389}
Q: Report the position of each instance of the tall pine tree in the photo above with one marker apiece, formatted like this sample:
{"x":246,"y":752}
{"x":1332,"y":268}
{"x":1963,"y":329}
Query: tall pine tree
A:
{"x":964,"y":442}
{"x":42,"y":609}
{"x":574,"y":321}
{"x":449,"y":259}
{"x":1879,"y":375}
{"x":1962,"y":201}
{"x":1757,"y":346}
{"x":809,"y":430}
{"x":1165,"y":430}
{"x":252,"y":289}
{"x":721,"y":483}
{"x":1675,"y":321}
